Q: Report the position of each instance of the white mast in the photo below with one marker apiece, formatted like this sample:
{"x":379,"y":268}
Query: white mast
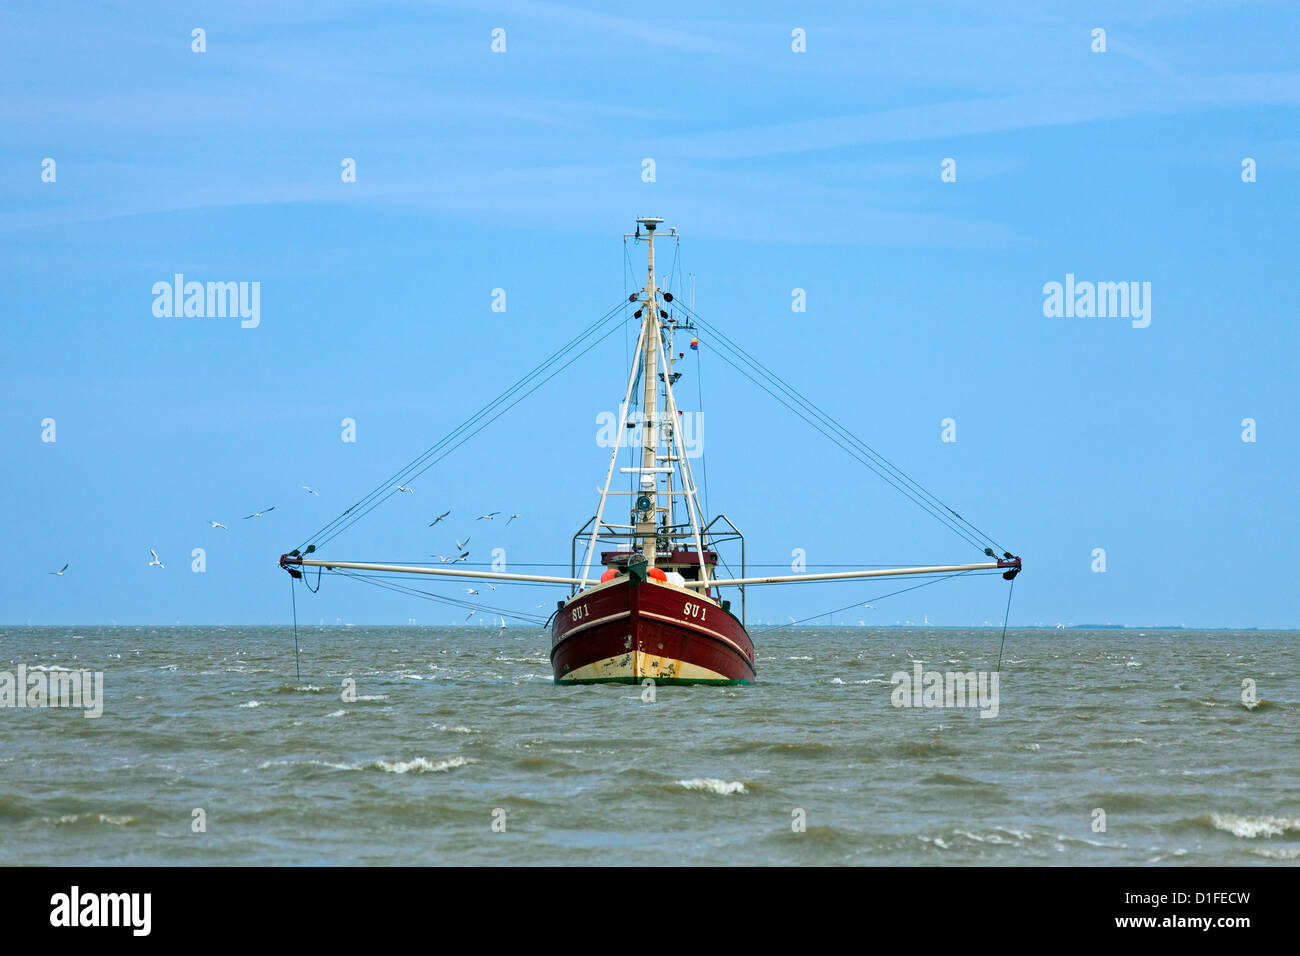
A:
{"x":648,"y":483}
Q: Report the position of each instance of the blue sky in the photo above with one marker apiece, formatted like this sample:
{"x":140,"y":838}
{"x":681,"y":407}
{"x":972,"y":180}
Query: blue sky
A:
{"x":521,"y":170}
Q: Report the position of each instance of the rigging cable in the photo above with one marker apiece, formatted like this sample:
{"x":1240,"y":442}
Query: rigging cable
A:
{"x":938,"y":515}
{"x":919,"y":495}
{"x":490,"y":412}
{"x":883,"y":596}
{"x":699,"y":427}
{"x":627,"y":272}
{"x":440,"y":598}
{"x":891,"y":473}
{"x":399,"y":475}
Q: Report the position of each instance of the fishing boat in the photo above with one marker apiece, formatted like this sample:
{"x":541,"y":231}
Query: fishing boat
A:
{"x":646,"y":601}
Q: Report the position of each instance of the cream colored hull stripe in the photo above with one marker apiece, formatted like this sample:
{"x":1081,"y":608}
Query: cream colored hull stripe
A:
{"x":592,"y":623}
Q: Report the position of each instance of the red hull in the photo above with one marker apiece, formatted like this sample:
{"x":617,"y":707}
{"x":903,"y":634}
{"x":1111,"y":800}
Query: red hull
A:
{"x":630,"y":631}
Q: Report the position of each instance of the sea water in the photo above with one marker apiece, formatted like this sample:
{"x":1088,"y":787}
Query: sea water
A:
{"x":448,"y":745}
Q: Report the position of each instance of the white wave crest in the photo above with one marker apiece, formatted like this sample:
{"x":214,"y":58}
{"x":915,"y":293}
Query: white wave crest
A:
{"x":1251,"y":827}
{"x":95,"y":818}
{"x":453,"y":730}
{"x":1277,"y":852}
{"x":713,"y":785}
{"x":420,"y":765}
{"x":306,"y":763}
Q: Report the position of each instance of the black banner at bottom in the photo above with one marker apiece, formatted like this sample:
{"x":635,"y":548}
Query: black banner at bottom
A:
{"x":331,"y":904}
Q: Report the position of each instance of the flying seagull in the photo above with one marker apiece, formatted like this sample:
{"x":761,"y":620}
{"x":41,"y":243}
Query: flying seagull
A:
{"x":439,"y":518}
{"x":60,"y":571}
{"x":489,"y":516}
{"x":218,"y":524}
{"x":512,"y":518}
{"x":471,"y":591}
{"x":155,"y":559}
{"x":258,"y":514}
{"x":460,"y":545}
{"x":311,"y":491}
{"x":409,"y":491}
{"x":470,"y":614}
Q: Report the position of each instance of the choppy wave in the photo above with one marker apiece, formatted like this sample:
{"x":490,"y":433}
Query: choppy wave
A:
{"x":1277,"y":852}
{"x":414,"y":765}
{"x":306,"y":763}
{"x":1251,"y":827}
{"x":77,"y":818}
{"x":420,"y":765}
{"x":713,"y":785}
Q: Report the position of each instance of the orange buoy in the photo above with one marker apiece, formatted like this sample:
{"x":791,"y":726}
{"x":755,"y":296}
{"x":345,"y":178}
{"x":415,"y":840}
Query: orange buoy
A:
{"x":657,"y":574}
{"x":609,"y":575}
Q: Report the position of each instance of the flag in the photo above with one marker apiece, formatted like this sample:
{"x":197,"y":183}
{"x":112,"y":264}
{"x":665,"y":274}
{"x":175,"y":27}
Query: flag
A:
{"x":695,"y":344}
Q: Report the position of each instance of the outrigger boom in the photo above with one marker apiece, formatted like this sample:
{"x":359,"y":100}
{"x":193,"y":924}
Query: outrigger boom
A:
{"x":1011,"y":566}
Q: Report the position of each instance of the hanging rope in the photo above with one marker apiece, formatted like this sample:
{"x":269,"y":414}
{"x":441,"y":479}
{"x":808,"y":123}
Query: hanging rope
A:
{"x":293,"y":598}
{"x":1006,"y":617}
